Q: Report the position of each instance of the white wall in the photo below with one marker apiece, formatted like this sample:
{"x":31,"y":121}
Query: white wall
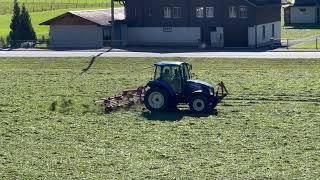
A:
{"x":76,"y":36}
{"x":252,"y":36}
{"x":298,"y":17}
{"x":156,"y":36}
{"x":255,"y":34}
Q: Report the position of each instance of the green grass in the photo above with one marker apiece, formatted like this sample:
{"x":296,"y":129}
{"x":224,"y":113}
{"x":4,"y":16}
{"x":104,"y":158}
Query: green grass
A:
{"x":299,"y":31}
{"x":267,"y":128}
{"x":308,"y":45}
{"x":6,"y":6}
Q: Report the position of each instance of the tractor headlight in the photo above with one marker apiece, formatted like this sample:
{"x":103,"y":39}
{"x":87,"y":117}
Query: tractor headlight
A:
{"x":211,"y":91}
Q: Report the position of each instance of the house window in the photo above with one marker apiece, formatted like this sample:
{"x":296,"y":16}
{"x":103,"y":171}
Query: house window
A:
{"x":273,"y":33}
{"x":303,"y":11}
{"x":149,"y":12}
{"x":167,"y":29}
{"x":243,"y":12}
{"x":167,"y":12}
{"x":199,"y":12}
{"x":232,"y":12}
{"x":263,"y":32}
{"x":176,"y":12}
{"x":209,"y":12}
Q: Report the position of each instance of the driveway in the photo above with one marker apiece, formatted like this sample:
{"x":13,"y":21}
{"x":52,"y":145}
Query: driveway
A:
{"x":299,"y":41}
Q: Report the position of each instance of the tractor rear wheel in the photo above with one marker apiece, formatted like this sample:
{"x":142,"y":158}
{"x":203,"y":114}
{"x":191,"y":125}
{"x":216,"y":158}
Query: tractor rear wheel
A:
{"x":199,"y":104}
{"x":156,"y":99}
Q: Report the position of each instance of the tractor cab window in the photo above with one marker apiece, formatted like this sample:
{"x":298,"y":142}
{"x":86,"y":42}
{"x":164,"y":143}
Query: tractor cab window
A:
{"x":176,"y":79}
{"x":172,"y":76}
{"x":166,"y":74}
{"x":186,"y":72}
{"x":157,"y":73}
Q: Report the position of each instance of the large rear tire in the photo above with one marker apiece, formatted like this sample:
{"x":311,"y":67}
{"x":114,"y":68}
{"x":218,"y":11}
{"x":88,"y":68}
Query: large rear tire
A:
{"x":199,"y":104}
{"x":156,"y":99}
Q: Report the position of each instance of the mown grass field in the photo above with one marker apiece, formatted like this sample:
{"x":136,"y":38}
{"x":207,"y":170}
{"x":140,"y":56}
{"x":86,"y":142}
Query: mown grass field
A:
{"x":50,"y":128}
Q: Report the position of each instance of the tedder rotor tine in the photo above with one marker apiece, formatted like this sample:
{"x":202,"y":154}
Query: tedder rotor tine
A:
{"x":224,"y":89}
{"x":127,"y":98}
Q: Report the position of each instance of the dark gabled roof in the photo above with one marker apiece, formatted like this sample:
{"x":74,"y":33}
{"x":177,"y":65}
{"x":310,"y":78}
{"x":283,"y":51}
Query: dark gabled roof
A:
{"x":99,"y":17}
{"x":264,"y":2}
{"x":306,"y":2}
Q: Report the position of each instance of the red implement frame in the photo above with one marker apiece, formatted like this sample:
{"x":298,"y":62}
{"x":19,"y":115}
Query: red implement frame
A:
{"x":127,"y":98}
{"x":221,"y":91}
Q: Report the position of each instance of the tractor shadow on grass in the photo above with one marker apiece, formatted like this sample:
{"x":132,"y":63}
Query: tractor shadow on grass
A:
{"x":175,"y":115}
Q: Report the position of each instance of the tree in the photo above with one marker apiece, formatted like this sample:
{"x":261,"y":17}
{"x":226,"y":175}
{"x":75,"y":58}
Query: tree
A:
{"x":14,"y":34}
{"x":27,"y":31}
{"x":21,"y":27}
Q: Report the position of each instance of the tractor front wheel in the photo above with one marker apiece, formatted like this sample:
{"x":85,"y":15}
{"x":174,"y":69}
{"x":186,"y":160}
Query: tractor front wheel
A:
{"x":156,"y":99}
{"x":199,"y":104}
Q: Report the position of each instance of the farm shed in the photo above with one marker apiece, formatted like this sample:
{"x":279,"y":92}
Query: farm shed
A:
{"x":303,"y":12}
{"x":83,"y":29}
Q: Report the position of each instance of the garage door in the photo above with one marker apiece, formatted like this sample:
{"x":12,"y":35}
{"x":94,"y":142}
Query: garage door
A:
{"x":76,"y":36}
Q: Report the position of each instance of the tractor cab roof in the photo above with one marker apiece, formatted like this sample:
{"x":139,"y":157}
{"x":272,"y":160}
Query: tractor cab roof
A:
{"x":169,"y":63}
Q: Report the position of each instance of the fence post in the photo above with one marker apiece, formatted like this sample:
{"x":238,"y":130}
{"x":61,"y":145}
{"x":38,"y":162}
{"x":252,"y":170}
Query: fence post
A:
{"x":287,"y":43}
{"x":317,"y":43}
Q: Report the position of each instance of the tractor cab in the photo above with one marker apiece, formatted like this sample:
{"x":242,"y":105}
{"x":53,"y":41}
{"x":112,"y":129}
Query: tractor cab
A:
{"x":174,"y":74}
{"x":172,"y":85}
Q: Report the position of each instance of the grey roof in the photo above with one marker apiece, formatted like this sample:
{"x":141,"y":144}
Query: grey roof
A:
{"x":100,"y":17}
{"x":168,"y":63}
{"x":306,"y":2}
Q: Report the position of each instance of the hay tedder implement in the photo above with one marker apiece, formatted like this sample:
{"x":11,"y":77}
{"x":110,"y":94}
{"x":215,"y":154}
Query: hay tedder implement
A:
{"x":126,"y":99}
{"x":170,"y":87}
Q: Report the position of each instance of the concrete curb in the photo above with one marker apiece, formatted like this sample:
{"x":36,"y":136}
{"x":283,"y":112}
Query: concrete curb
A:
{"x":167,"y":50}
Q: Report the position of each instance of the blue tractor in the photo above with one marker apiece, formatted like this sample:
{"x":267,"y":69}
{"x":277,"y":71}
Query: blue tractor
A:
{"x":172,"y":85}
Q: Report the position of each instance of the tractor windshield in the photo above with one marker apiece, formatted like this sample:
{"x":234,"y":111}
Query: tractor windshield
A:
{"x":171,"y":75}
{"x":187,"y":71}
{"x":157,"y":73}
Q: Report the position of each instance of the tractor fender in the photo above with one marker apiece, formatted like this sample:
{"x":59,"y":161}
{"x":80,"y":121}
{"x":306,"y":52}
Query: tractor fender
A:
{"x":162,"y":85}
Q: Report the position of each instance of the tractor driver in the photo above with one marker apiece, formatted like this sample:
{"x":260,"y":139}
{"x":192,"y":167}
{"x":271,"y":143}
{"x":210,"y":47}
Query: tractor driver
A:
{"x":166,"y":76}
{"x":176,"y":82}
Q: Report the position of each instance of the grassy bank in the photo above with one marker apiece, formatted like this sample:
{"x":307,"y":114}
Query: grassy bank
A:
{"x":308,"y":45}
{"x":50,"y":128}
{"x":299,"y":31}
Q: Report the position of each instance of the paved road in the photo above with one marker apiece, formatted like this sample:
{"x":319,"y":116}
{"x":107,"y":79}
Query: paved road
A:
{"x":119,"y":53}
